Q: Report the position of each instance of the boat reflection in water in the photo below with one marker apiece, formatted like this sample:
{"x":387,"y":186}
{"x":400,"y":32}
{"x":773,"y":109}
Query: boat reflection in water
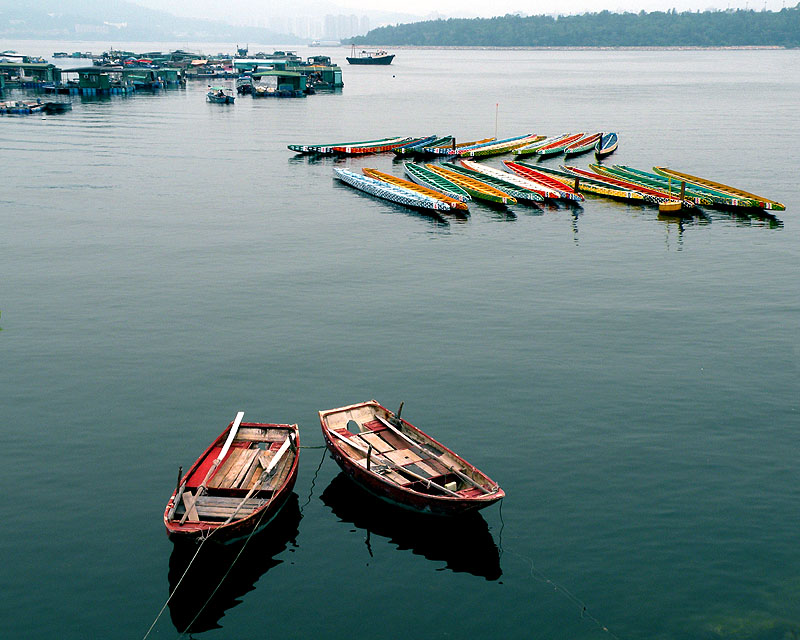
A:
{"x":212,"y":563}
{"x":463,"y":543}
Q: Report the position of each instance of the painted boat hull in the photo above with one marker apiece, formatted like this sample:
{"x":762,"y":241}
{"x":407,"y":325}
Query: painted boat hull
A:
{"x":516,"y":191}
{"x":454,"y":204}
{"x":389,"y":192}
{"x":249,"y":522}
{"x":425,"y":178}
{"x":761,"y":201}
{"x":406,"y":497}
{"x":476,"y":188}
{"x":606,"y":145}
{"x":328,"y":149}
{"x":376,"y":60}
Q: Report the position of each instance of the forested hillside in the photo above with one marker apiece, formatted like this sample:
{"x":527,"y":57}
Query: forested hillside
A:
{"x":604,"y":29}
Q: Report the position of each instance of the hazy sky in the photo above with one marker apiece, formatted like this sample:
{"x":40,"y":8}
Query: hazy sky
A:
{"x":259,"y":8}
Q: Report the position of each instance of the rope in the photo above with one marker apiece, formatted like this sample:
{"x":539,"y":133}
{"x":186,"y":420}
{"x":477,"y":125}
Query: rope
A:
{"x":213,"y":593}
{"x":314,"y":480}
{"x":200,"y":546}
{"x":541,"y":577}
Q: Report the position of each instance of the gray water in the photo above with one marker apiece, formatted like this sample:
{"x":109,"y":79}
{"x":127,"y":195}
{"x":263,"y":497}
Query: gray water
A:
{"x":631,"y":381}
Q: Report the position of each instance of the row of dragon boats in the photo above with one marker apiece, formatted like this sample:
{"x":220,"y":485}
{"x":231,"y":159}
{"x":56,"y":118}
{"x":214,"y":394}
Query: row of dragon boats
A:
{"x":241,"y":481}
{"x":450,"y":185}
{"x":569,"y":144}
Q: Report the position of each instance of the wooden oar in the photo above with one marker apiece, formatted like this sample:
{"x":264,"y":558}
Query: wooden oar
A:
{"x":266,"y":474}
{"x":217,"y":461}
{"x":396,"y":467}
{"x":430,"y":456}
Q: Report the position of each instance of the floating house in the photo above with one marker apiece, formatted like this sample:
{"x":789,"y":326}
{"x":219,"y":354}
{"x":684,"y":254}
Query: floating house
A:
{"x":29,"y":74}
{"x":287,"y":84}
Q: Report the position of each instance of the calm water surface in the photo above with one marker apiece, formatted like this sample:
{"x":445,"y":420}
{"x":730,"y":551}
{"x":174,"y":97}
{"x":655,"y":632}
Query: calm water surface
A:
{"x":631,"y":381}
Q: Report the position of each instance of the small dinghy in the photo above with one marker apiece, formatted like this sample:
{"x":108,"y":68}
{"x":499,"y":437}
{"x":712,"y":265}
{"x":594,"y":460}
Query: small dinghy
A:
{"x":238,"y":484}
{"x":396,"y":461}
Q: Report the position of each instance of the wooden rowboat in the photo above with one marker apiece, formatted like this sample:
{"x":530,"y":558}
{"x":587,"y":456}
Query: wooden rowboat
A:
{"x":386,"y":191}
{"x":426,"y":178}
{"x":518,"y":192}
{"x":558,"y":188}
{"x":606,"y":145}
{"x":585,"y":144}
{"x":396,"y":461}
{"x":762,"y":202}
{"x":238,"y":484}
{"x":455,"y":204}
{"x":328,"y":149}
{"x":474,"y":187}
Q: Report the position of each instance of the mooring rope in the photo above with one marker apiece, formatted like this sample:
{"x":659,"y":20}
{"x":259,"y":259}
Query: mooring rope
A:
{"x":200,"y":546}
{"x":230,"y":568}
{"x":538,"y":575}
{"x":314,"y":480}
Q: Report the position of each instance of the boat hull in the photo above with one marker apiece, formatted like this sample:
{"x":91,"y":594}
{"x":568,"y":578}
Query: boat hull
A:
{"x":376,"y":60}
{"x":406,"y":498}
{"x":253,"y":519}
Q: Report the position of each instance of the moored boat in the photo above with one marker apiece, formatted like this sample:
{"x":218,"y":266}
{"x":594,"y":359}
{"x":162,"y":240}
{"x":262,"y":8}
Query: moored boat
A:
{"x":554,"y":148}
{"x":528,"y":183}
{"x":396,"y":461}
{"x":762,"y":202}
{"x":584,"y":145}
{"x":459,"y":205}
{"x":444,"y":146}
{"x":531,"y":148}
{"x":328,"y":149}
{"x":474,"y":187}
{"x":363,"y":149}
{"x":557,"y":188}
{"x":414,"y":146}
{"x":515,"y":190}
{"x":660,"y":194}
{"x":606,"y":145}
{"x":218,"y":95}
{"x":587,"y":185}
{"x":500,"y":146}
{"x":386,"y":191}
{"x":238,"y":484}
{"x":422,"y":176}
{"x":379,"y":57}
{"x":699,"y":195}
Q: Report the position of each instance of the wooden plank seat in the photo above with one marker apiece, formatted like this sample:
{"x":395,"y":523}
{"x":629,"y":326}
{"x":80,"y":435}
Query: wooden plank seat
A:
{"x":222,"y":507}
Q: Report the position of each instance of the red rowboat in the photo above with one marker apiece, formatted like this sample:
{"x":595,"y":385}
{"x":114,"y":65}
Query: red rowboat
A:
{"x":395,"y":461}
{"x":239,"y":483}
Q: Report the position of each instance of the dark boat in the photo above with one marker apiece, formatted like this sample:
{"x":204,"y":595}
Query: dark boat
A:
{"x":56,"y":107}
{"x":396,"y":461}
{"x":238,"y":484}
{"x":370,"y":57}
{"x":606,"y":145}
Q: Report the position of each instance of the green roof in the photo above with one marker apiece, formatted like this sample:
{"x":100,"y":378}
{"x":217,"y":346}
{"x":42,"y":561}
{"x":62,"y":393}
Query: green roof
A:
{"x":282,"y":74}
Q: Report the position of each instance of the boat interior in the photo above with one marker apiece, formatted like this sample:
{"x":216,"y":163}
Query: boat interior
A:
{"x":242,"y":472}
{"x":376,"y":441}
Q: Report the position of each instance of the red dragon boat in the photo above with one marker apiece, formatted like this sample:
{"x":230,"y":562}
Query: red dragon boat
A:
{"x":238,"y":484}
{"x":397,"y":462}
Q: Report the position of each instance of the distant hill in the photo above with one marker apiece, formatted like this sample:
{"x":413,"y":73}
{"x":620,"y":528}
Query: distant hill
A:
{"x":118,"y":21}
{"x":605,"y":29}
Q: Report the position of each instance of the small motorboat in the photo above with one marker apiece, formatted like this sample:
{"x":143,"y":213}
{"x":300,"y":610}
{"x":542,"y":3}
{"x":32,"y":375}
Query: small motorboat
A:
{"x":238,"y":484}
{"x":218,"y":95}
{"x":396,"y":461}
{"x":379,"y":57}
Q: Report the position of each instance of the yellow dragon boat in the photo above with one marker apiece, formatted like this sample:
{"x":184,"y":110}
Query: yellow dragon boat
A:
{"x":761,"y":201}
{"x":413,"y":186}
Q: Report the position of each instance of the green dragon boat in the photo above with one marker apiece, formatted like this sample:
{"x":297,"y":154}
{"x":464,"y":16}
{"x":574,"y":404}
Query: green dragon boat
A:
{"x":425,"y":178}
{"x":647,"y":179}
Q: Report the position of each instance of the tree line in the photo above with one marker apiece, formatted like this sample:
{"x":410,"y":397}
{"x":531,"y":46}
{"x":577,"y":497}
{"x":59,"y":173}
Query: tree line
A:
{"x":729,"y":28}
